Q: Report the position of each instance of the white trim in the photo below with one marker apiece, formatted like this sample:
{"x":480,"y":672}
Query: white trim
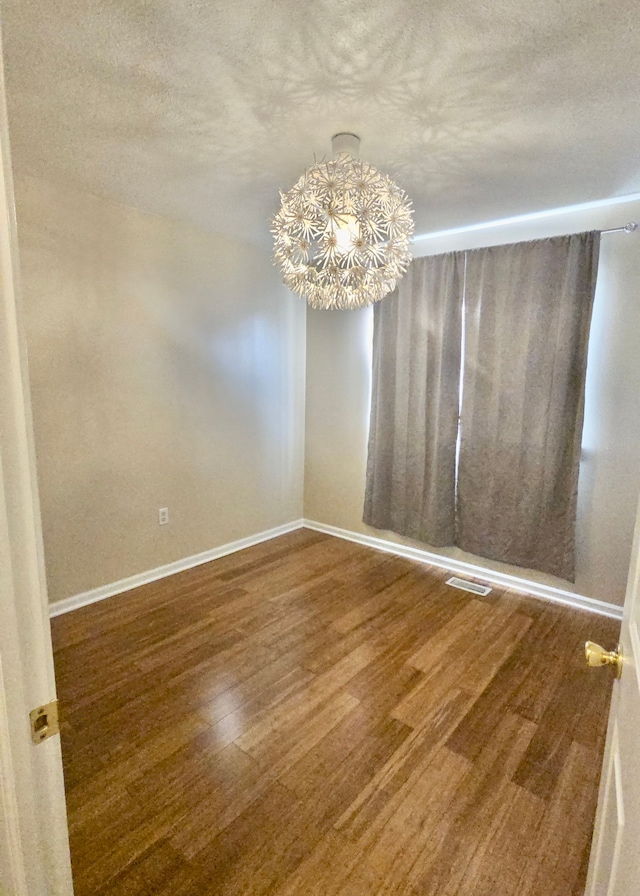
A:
{"x":12,"y":853}
{"x":530,"y":216}
{"x":160,"y":572}
{"x":504,"y":580}
{"x":34,"y":847}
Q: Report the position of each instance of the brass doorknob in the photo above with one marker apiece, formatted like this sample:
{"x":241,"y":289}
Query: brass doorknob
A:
{"x":598,"y":656}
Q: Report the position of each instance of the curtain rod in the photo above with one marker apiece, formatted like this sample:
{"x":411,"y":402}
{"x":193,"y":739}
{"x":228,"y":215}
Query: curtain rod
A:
{"x":628,"y":228}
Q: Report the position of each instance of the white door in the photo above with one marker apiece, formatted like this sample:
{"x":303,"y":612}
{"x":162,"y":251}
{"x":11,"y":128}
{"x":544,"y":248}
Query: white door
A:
{"x":34,"y":850}
{"x":614,"y":868}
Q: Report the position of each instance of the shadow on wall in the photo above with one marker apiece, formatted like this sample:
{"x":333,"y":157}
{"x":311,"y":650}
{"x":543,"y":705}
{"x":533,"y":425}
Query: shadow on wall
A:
{"x":231,"y":334}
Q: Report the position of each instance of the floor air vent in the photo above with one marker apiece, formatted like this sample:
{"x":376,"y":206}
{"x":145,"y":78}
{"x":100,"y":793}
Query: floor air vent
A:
{"x":463,"y":585}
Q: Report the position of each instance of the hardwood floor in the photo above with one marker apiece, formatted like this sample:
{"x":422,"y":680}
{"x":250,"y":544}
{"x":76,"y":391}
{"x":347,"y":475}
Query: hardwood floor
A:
{"x":313,"y":717}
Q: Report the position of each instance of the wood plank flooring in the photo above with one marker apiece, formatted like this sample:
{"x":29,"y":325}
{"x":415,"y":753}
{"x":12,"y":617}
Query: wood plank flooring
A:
{"x":309,"y":716}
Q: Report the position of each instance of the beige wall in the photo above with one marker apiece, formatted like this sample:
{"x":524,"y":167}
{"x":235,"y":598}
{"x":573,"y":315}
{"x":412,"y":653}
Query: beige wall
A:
{"x":167,"y":370}
{"x":338,"y":392}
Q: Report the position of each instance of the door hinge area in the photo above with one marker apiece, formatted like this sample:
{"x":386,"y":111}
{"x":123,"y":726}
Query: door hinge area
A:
{"x":44,"y":721}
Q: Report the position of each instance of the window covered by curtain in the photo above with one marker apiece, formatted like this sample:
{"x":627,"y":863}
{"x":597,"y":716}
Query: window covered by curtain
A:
{"x":527,"y":314}
{"x":527,"y":311}
{"x":414,"y":411}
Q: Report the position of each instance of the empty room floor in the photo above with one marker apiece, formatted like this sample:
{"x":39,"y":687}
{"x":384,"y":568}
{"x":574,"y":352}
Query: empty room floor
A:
{"x":309,"y":716}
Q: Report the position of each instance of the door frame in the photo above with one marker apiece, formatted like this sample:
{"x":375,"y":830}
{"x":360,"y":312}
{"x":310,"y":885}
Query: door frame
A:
{"x":34,"y":846}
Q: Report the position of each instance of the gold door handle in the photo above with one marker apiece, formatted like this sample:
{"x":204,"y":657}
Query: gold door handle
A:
{"x":598,"y":656}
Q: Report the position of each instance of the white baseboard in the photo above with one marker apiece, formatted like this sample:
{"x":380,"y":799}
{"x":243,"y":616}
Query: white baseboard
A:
{"x":503,"y":580}
{"x":90,"y":597}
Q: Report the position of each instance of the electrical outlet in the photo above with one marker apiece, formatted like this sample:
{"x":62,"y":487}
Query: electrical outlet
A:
{"x":163,"y":516}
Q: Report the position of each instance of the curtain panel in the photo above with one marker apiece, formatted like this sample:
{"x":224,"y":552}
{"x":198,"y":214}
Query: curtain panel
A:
{"x":527,"y":316}
{"x":527,"y":312}
{"x":410,"y":486}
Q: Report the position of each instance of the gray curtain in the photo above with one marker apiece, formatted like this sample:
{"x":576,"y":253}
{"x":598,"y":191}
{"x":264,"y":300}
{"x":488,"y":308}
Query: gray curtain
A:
{"x":528,"y":310}
{"x":410,"y":486}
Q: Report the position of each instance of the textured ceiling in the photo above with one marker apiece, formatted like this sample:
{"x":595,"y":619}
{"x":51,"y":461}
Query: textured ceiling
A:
{"x":202,"y":110}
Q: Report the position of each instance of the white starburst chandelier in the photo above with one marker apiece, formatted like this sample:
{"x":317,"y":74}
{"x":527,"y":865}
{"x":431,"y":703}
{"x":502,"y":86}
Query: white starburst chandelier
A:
{"x":343,"y":232}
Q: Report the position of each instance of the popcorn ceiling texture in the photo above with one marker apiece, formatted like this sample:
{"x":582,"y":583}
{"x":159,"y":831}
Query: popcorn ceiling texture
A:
{"x":203,"y":110}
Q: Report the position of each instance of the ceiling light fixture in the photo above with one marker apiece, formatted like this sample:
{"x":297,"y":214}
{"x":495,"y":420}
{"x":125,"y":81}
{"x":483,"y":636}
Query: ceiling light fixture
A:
{"x":343,"y":231}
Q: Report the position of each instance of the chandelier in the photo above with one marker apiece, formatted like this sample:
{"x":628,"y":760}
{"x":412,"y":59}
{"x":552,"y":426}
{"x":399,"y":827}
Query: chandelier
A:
{"x":343,"y":231}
